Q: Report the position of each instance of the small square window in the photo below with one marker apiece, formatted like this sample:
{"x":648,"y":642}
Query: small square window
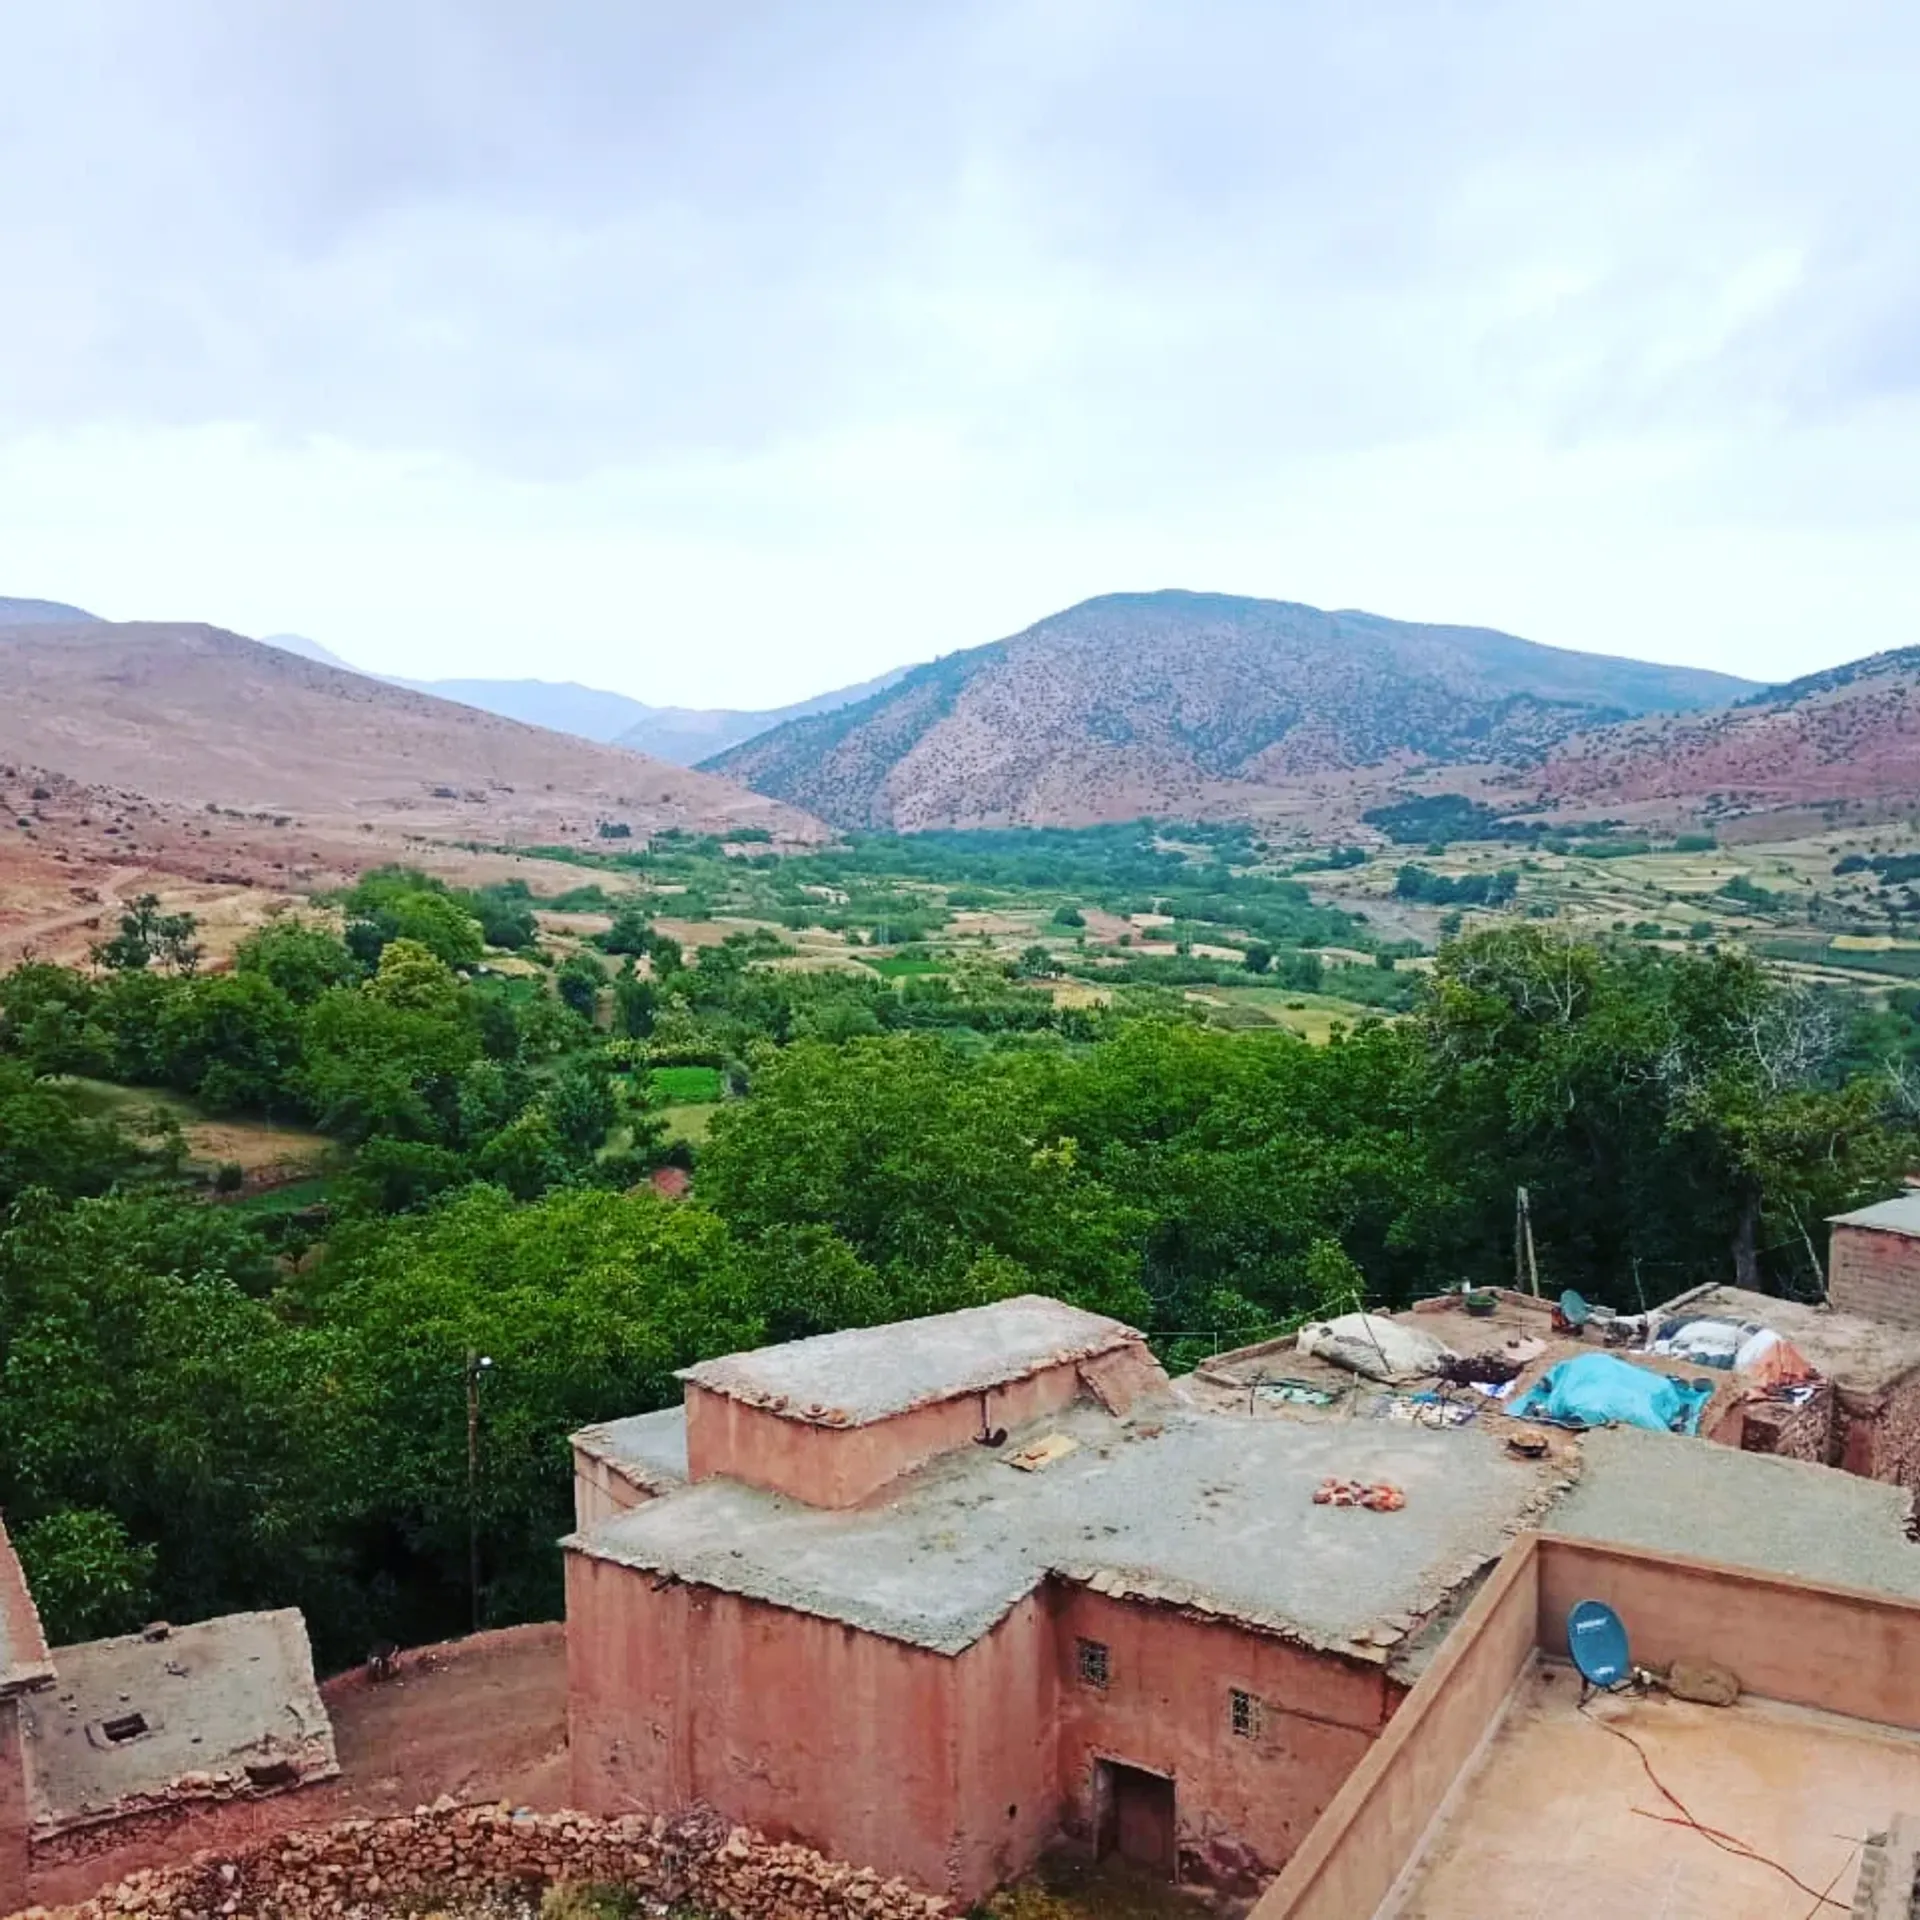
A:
{"x":1095,"y":1670}
{"x":1243,"y":1713}
{"x":129,"y":1726}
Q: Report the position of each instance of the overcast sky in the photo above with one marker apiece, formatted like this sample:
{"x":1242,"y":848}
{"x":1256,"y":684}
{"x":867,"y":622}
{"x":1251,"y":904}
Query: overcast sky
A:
{"x":724,"y":353}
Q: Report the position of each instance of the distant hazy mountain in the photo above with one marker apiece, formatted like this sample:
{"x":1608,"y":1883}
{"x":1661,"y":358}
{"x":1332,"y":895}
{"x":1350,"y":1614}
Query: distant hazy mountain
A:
{"x":40,"y":613}
{"x":681,"y":735}
{"x":562,"y":705}
{"x":1141,"y":703}
{"x":307,"y":650}
{"x":688,"y":735}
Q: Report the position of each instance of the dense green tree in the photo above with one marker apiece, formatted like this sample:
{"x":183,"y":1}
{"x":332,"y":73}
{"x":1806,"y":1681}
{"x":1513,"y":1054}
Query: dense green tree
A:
{"x":585,"y":1302}
{"x":232,"y":1040}
{"x":303,"y":961}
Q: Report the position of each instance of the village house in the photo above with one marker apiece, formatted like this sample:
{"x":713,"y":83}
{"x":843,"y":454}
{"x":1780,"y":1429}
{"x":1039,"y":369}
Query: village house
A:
{"x":939,"y":1595}
{"x":100,"y":1736}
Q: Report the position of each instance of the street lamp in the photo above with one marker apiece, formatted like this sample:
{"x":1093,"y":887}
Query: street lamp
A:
{"x":477,"y":1364}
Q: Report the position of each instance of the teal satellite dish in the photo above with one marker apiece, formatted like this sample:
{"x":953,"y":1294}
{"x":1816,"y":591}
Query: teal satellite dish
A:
{"x":1598,"y":1642}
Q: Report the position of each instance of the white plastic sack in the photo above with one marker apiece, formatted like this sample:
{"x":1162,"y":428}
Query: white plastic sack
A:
{"x":1374,"y":1347}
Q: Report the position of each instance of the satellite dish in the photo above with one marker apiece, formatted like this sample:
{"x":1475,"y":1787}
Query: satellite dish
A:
{"x":1598,"y":1643}
{"x":1575,"y":1310}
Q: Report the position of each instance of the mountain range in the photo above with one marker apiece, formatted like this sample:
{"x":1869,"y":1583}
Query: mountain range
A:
{"x":1169,"y":703}
{"x":1175,"y":702}
{"x":680,"y":735}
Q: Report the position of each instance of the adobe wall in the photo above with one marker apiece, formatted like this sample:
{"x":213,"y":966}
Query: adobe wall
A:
{"x":841,"y":1466}
{"x":1347,"y":1866}
{"x":1875,"y":1274}
{"x":955,"y":1772}
{"x":1839,"y":1649}
{"x":1242,"y":1804}
{"x":15,"y":1814}
{"x":805,"y":1728}
{"x":600,"y":1489}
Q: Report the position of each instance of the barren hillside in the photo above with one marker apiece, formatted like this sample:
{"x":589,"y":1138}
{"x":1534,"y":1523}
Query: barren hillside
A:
{"x":1173,"y":702}
{"x":191,"y":716}
{"x":1851,"y":733}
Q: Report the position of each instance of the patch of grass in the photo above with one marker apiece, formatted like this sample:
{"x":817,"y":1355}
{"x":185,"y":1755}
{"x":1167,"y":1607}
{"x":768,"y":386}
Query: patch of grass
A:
{"x":685,"y":1086}
{"x":295,"y":1197}
{"x":905,"y":966}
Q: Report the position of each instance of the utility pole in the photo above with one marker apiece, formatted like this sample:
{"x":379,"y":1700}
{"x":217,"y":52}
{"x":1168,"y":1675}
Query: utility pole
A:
{"x":477,"y":1364}
{"x":1525,"y":1273}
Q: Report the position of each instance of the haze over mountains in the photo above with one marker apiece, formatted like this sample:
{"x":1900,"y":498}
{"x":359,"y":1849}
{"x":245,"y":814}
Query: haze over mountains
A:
{"x":1173,"y":701}
{"x":682,"y":735}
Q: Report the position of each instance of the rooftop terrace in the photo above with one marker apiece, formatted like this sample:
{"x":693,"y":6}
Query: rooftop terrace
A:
{"x":1804,"y":1788}
{"x":1496,"y":1790}
{"x":1855,"y":1353}
{"x":222,"y":1708}
{"x":864,"y":1374}
{"x":1176,"y":1502}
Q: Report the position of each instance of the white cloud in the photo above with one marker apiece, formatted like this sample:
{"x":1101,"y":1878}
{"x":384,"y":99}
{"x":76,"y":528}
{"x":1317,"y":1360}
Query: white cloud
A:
{"x":729,"y":364}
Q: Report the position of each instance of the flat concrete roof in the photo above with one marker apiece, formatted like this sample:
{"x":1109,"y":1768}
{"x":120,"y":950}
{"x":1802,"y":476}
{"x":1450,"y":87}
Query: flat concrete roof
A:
{"x":1176,"y":1503}
{"x":1548,"y":1819}
{"x":650,"y":1449}
{"x":1854,"y":1352}
{"x":1887,"y":1216}
{"x":1671,"y":1494}
{"x":863,"y":1374}
{"x":135,"y":1723}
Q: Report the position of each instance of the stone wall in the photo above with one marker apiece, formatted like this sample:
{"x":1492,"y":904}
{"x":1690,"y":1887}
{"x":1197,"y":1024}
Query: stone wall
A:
{"x":454,"y":1856}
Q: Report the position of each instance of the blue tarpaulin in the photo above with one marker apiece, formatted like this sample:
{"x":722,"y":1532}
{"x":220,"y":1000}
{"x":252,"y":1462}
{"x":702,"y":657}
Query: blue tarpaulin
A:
{"x":1600,"y":1390}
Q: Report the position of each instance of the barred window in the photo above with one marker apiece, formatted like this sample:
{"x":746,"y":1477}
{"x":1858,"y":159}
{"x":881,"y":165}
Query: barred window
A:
{"x":1095,"y":1670}
{"x":1243,"y":1713}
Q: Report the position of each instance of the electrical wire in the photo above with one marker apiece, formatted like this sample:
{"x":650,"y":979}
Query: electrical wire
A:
{"x":1726,"y":1842}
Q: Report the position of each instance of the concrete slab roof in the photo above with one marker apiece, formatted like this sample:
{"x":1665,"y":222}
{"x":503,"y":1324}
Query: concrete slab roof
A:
{"x":1674,"y":1495}
{"x":864,"y":1374}
{"x":649,"y":1448}
{"x":23,"y":1647}
{"x":1197,"y":1508}
{"x":1855,"y":1353}
{"x":223,"y":1709}
{"x":1901,"y":1215}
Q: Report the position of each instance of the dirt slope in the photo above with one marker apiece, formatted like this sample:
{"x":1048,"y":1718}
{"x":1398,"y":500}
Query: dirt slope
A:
{"x":190,"y":716}
{"x":1176,"y":702}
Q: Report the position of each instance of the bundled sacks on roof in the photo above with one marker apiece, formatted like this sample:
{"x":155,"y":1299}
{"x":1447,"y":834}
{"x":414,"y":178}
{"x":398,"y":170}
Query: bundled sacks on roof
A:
{"x":1374,"y":1347}
{"x":1602,"y":1390}
{"x":1743,"y":1346}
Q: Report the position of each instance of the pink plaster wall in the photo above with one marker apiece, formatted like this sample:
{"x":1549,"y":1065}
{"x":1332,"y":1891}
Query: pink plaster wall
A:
{"x":15,"y":1816}
{"x":841,"y":1466}
{"x":600,"y":1489}
{"x":802,"y":1727}
{"x":953,"y":1771}
{"x":1241,"y":1805}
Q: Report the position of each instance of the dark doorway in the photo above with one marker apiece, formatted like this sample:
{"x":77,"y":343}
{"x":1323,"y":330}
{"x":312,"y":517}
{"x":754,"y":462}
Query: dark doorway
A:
{"x":1136,"y":1818}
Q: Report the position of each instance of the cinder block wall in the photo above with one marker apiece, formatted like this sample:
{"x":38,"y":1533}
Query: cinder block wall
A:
{"x":1875,"y":1274}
